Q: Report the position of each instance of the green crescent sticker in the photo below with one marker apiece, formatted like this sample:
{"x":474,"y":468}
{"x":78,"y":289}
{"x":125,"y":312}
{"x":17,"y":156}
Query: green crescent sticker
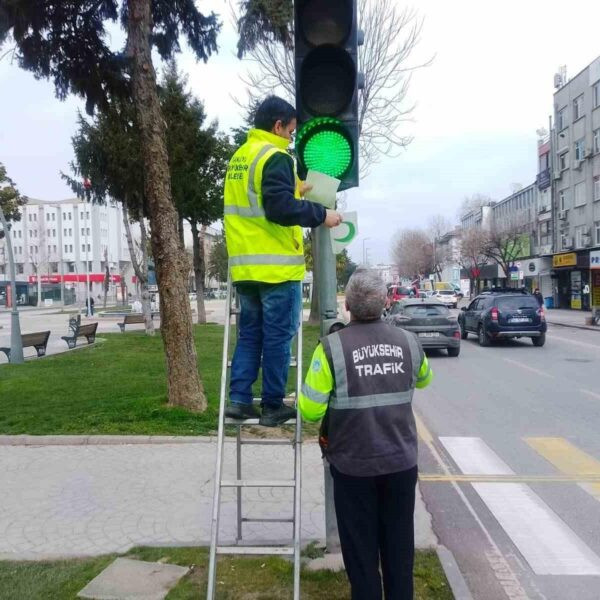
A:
{"x":350,"y":235}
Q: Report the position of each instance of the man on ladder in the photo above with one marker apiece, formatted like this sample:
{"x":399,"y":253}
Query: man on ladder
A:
{"x":264,"y":216}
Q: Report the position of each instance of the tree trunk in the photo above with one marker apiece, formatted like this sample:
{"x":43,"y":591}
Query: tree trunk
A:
{"x":181,"y":232}
{"x":183,"y":381}
{"x":39,"y":286}
{"x":141,"y":270}
{"x":199,"y":268}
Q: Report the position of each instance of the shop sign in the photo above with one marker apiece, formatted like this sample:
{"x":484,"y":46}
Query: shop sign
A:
{"x":596,"y":287}
{"x":565,"y":260}
{"x":595,"y":259}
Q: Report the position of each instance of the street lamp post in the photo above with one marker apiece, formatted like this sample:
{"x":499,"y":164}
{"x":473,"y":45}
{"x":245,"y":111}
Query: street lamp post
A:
{"x":87,"y":184}
{"x":16,"y":344}
{"x":365,"y":250}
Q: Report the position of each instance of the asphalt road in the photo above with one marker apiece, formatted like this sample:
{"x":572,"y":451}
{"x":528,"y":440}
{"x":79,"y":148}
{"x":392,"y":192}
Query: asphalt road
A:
{"x":510,"y":464}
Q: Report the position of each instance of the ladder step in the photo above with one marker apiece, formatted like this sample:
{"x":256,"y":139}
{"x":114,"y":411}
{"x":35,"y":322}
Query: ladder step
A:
{"x":293,"y":363}
{"x":229,"y":421}
{"x":248,"y":520}
{"x":258,"y":483}
{"x":266,"y":442}
{"x":279,"y":550}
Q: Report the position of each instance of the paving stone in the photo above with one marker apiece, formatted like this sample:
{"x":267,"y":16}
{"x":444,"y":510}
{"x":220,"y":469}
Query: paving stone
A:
{"x":127,"y":579}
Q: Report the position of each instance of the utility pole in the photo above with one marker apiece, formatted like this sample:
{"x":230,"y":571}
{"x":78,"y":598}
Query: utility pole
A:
{"x":327,"y":288}
{"x":16,"y":345}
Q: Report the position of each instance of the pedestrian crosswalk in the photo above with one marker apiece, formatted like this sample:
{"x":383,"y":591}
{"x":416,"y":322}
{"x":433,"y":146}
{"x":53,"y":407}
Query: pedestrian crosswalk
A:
{"x":543,"y":538}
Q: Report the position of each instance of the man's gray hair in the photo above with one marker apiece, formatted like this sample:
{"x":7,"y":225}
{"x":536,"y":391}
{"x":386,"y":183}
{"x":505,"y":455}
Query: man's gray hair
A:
{"x":366,"y":294}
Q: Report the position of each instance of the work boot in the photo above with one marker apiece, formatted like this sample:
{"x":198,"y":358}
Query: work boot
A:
{"x":241,"y":411}
{"x":273,"y":416}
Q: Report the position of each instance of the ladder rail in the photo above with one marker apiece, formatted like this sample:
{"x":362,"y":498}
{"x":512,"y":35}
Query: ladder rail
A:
{"x":239,"y":483}
{"x":212,"y":564}
{"x":298,"y":462}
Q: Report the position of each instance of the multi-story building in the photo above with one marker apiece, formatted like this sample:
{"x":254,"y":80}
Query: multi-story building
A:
{"x":447,"y":249}
{"x":66,"y":243}
{"x":576,"y":184}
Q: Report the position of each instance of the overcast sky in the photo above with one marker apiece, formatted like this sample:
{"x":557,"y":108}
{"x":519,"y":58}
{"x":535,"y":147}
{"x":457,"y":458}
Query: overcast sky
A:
{"x":477,"y":109}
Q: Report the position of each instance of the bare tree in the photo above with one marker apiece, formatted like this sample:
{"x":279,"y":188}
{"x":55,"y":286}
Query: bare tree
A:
{"x":38,"y":252}
{"x":474,"y":202}
{"x":412,"y":253}
{"x":437,"y":226}
{"x":505,"y":242}
{"x":140,"y":265}
{"x":472,"y":257}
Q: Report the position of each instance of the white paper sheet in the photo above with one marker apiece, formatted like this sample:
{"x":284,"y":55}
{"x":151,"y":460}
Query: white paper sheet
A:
{"x":324,"y":188}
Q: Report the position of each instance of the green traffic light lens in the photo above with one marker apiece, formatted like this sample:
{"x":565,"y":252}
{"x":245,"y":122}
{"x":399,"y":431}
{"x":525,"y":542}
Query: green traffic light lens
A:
{"x":325,"y":145}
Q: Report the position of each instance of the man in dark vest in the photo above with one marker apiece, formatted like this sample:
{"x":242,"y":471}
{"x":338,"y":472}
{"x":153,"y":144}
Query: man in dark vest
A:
{"x":362,"y":379}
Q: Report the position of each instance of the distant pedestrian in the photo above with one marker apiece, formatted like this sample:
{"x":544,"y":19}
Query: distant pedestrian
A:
{"x":90,"y":306}
{"x":538,"y":296}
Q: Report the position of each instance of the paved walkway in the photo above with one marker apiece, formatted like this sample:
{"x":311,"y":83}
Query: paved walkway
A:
{"x":94,"y":499}
{"x":569,"y":318}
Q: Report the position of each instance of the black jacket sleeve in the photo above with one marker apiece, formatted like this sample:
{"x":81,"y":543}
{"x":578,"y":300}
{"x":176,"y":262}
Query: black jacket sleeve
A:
{"x":281,"y":207}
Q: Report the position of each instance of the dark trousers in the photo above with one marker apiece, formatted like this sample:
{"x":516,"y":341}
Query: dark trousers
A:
{"x":375,"y":517}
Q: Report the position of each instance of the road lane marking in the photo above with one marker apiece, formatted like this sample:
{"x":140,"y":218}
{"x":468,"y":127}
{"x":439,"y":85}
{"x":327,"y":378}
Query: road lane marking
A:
{"x":438,"y":478}
{"x":570,"y":460}
{"x":577,"y":343}
{"x":546,"y":542}
{"x":499,"y":565}
{"x":528,"y":368}
{"x":589,"y":393}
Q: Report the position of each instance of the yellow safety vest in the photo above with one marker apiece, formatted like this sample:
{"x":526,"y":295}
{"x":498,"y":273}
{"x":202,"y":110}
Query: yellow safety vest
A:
{"x":259,"y":250}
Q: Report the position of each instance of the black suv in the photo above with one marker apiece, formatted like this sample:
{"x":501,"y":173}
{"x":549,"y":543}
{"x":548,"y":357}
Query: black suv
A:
{"x":501,"y":314}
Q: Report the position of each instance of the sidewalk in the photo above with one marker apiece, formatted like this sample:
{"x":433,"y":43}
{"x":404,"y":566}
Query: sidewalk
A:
{"x":569,"y":318}
{"x":93,"y":499}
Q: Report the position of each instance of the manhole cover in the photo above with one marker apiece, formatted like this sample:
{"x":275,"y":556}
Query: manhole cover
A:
{"x":579,"y":360}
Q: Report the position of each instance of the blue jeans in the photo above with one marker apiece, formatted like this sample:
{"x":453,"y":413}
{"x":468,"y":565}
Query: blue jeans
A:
{"x":269,"y":320}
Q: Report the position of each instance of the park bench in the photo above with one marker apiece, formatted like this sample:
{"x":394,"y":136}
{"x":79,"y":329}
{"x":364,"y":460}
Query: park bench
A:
{"x":78,"y":330}
{"x":132,"y":319}
{"x":38,"y":340}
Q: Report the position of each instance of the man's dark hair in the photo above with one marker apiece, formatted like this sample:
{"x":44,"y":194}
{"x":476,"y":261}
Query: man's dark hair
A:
{"x":271,"y":110}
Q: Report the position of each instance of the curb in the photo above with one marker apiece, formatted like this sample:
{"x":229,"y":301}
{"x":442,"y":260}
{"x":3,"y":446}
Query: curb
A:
{"x":110,"y":440}
{"x":587,"y":327}
{"x":455,"y":578}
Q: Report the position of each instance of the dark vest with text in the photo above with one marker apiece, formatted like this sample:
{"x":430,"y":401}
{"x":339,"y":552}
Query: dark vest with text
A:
{"x":370,"y":424}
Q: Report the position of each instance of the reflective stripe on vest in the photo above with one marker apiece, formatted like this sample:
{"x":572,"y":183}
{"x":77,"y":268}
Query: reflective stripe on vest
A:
{"x":266,"y":259}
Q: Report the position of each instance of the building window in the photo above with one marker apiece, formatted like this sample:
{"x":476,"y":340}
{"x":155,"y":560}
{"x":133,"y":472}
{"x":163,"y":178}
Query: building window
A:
{"x":597,"y":187}
{"x":20,"y":234}
{"x":545,"y":234}
{"x":596,"y":93}
{"x":579,"y":194}
{"x":20,"y":268}
{"x":578,"y":108}
{"x":597,"y":233}
{"x":563,"y":161}
{"x":54,"y":249}
{"x":70,"y":247}
{"x":579,"y":234}
{"x":54,"y":216}
{"x":88,"y":231}
{"x":561,"y":118}
{"x":49,"y":249}
{"x":66,"y":248}
{"x":54,"y":267}
{"x":71,"y":267}
{"x":89,"y":248}
{"x":81,"y":216}
{"x":65,"y":231}
{"x":580,"y":149}
{"x":562,"y":199}
{"x":596,"y":142}
{"x":83,"y":247}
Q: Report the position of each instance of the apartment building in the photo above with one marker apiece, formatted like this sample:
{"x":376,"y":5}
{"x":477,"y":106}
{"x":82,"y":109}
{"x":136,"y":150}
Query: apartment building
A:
{"x":576,"y":184}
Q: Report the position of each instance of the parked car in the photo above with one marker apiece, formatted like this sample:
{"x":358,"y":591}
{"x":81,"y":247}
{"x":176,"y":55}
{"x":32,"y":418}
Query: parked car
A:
{"x":398,"y":292}
{"x":503,"y":314}
{"x":448,"y":297}
{"x":430,"y":320}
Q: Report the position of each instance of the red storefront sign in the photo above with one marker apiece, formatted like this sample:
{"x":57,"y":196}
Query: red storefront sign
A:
{"x":75,"y":278}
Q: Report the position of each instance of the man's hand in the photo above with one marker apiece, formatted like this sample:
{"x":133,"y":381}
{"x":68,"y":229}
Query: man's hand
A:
{"x":304,"y":187}
{"x":332,"y":218}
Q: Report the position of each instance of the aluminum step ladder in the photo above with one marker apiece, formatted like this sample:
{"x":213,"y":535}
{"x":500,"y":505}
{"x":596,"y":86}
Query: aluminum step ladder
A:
{"x":240,"y":547}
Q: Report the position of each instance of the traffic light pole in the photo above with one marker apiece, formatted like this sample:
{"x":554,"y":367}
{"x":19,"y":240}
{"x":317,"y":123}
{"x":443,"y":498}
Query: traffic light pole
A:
{"x":327,"y":288}
{"x":16,"y":345}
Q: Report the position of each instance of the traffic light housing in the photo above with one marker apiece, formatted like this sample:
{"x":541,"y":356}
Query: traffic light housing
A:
{"x":326,"y":60}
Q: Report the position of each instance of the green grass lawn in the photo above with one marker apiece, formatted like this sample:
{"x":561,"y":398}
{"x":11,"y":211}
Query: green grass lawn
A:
{"x":260,"y":578}
{"x":115,"y":387}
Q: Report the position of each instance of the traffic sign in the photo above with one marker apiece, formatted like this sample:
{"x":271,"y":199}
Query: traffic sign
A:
{"x":344,"y":233}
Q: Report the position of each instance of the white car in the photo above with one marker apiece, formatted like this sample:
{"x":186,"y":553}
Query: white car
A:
{"x":448,"y":297}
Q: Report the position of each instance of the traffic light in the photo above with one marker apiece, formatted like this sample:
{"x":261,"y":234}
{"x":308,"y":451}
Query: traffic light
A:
{"x":326,"y":60}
